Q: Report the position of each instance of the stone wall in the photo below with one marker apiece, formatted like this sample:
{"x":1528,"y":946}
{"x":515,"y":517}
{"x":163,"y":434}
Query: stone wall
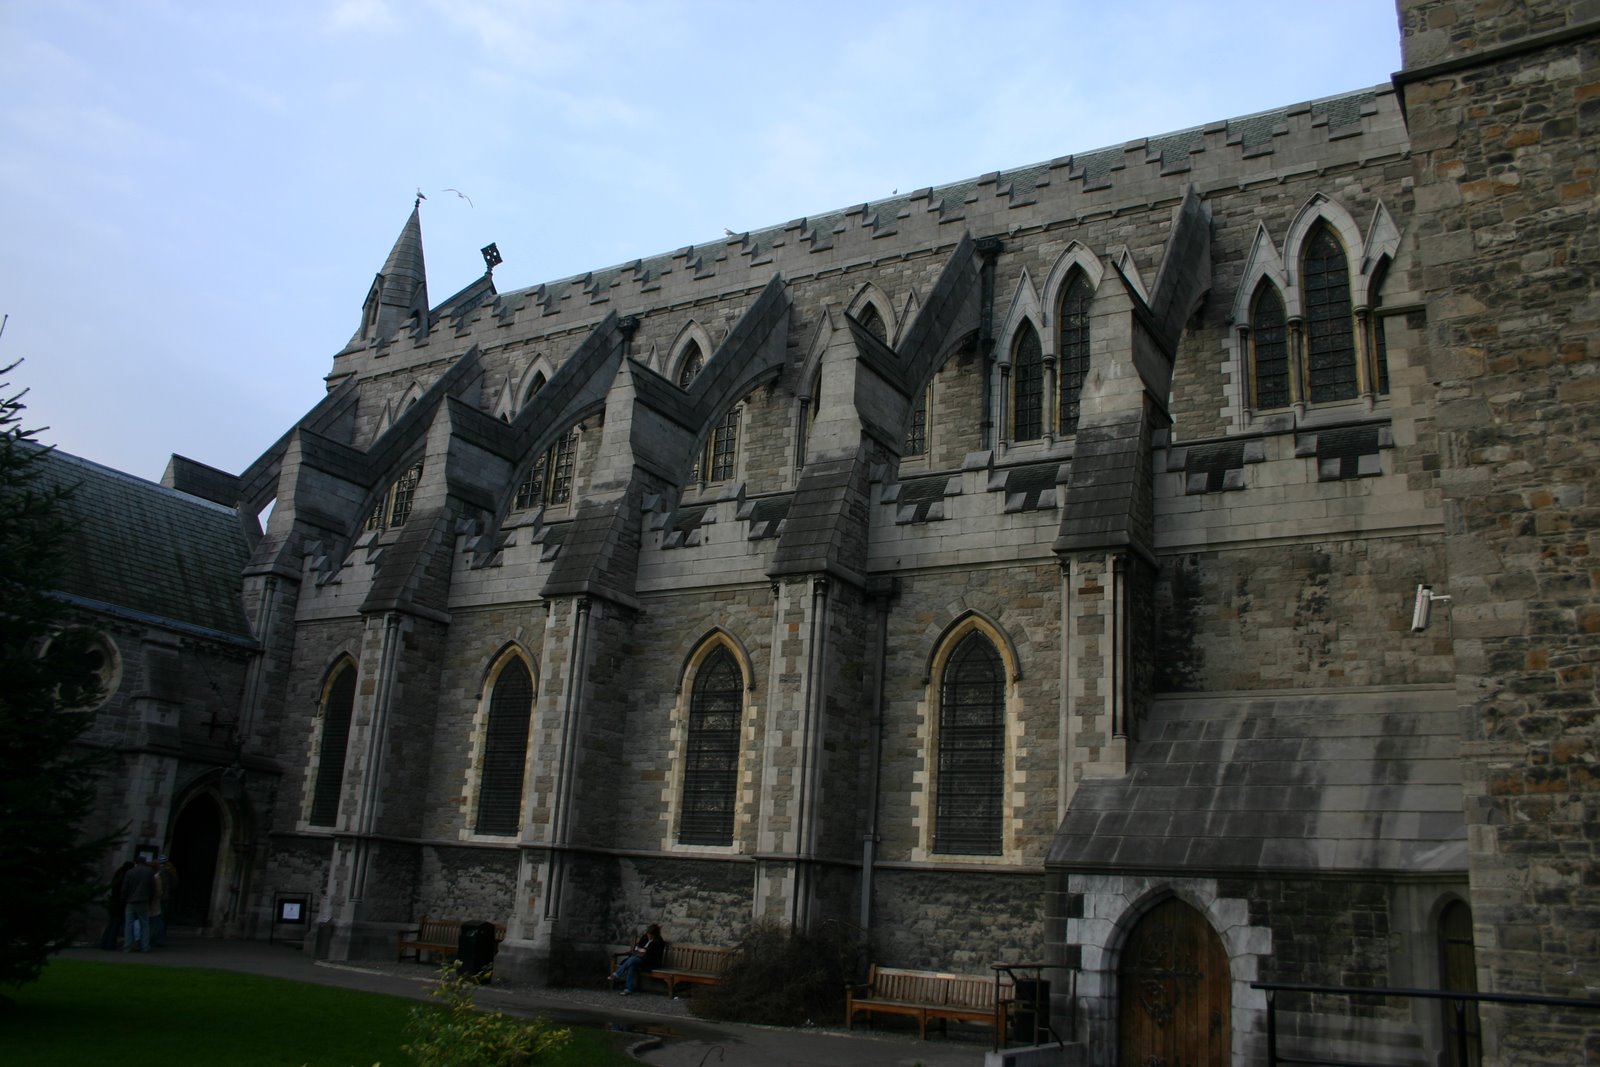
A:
{"x":1504,"y":110}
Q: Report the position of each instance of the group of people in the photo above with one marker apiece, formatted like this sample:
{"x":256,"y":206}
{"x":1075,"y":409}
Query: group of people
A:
{"x":644,"y":957}
{"x":143,"y":893}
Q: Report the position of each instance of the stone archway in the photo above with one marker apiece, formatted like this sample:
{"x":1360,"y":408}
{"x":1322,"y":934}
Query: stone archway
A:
{"x":196,"y":845}
{"x":1175,"y":991}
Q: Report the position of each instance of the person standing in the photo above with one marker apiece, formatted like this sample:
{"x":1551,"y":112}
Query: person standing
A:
{"x":138,"y":890}
{"x":166,"y":900}
{"x":114,"y":908}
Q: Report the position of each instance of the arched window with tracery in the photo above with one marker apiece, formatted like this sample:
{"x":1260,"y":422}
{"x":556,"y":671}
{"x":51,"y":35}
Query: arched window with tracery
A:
{"x":1073,"y":350}
{"x":505,"y":748}
{"x":722,"y":451}
{"x":971,"y":750}
{"x":533,"y":388}
{"x":1330,"y":328}
{"x":1269,"y":339}
{"x":711,"y":751}
{"x":690,"y":365}
{"x":549,"y":479}
{"x":338,"y":707}
{"x":1027,"y":385}
{"x":873,"y":323}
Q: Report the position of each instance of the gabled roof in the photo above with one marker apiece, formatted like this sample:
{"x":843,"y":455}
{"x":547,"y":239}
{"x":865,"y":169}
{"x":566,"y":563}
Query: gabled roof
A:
{"x":145,"y":551}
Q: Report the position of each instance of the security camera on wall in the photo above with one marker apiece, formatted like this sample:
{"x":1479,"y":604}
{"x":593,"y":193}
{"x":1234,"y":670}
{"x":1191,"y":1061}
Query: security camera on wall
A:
{"x":1422,"y":610}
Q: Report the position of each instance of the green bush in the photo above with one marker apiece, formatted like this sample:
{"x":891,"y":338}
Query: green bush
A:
{"x":459,"y":1035}
{"x":785,"y":978}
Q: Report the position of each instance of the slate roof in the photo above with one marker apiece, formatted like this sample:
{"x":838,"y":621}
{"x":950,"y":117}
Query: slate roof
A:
{"x":1319,"y":782}
{"x":151,"y":552}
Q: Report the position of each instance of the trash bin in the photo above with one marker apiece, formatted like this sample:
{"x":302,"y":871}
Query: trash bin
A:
{"x":1030,"y":1017}
{"x":475,"y":949}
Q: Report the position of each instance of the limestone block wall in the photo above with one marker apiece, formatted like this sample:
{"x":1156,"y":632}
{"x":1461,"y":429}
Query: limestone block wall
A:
{"x":1298,"y":614}
{"x":1501,"y":102}
{"x":956,"y":921}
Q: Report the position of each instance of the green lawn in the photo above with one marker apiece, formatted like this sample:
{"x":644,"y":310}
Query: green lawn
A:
{"x":97,"y":1014}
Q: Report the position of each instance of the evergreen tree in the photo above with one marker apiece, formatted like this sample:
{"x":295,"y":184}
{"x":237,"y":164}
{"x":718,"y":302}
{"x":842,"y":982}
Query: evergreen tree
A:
{"x":46,"y":777}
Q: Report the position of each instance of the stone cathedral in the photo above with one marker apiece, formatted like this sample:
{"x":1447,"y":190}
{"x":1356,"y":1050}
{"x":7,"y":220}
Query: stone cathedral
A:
{"x":1179,"y":547}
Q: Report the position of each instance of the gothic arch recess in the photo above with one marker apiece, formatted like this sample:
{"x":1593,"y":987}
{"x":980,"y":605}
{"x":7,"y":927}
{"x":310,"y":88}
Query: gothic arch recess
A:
{"x":869,"y":295}
{"x":1320,"y":208}
{"x":692,"y":334}
{"x":708,"y":751}
{"x":210,"y":835}
{"x":1076,"y":255}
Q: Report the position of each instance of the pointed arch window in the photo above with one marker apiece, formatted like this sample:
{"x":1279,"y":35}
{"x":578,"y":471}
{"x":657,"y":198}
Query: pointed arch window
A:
{"x":873,"y":323}
{"x":917,"y":432}
{"x":393,"y":508}
{"x":722,"y":451}
{"x":971,"y":756}
{"x":1270,"y":348}
{"x":549,"y":479}
{"x":1330,"y":330}
{"x":1073,"y":351}
{"x":711,"y":758}
{"x":1027,"y":385}
{"x":693,"y":360}
{"x":533,"y":388}
{"x":338,"y":707}
{"x":505,"y":749}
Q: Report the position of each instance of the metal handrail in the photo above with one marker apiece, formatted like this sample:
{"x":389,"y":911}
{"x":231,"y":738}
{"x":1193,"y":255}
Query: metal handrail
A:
{"x":1459,"y":1000}
{"x":1010,"y":970}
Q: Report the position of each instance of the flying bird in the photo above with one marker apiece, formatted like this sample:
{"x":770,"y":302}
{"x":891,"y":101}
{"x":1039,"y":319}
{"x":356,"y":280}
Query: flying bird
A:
{"x":462,"y":195}
{"x":729,"y":232}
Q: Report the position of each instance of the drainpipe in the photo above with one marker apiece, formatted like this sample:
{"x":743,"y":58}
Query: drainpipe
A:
{"x":869,"y":839}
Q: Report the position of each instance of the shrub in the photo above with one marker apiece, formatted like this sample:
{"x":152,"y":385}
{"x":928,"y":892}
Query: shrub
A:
{"x":784,"y":977}
{"x":459,"y":1035}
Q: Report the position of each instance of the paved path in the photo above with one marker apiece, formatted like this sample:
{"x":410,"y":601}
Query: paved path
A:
{"x":669,"y":1034}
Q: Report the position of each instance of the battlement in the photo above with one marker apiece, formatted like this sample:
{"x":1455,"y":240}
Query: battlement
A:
{"x":1268,"y":146}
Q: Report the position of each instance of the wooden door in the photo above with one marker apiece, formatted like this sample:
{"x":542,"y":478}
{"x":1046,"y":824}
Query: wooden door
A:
{"x":1175,"y":992}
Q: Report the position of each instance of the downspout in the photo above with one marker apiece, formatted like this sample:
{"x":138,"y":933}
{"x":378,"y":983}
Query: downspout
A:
{"x":869,"y":839}
{"x":1119,"y":645}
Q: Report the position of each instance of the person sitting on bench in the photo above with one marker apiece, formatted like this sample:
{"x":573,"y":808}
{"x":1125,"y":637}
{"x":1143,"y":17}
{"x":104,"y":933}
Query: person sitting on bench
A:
{"x":646,"y":957}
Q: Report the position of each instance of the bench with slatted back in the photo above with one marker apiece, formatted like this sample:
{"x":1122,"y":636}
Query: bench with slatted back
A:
{"x":687,"y":965}
{"x":439,"y":936}
{"x":926,"y":995}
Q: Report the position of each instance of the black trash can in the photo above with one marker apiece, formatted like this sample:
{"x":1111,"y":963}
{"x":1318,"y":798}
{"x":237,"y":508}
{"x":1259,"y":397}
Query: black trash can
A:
{"x":475,"y":949}
{"x":1030,"y":1015}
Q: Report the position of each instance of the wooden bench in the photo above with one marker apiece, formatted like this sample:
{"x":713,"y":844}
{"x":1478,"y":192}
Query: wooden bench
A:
{"x":925,"y":995}
{"x":439,"y":936}
{"x":686,"y":965}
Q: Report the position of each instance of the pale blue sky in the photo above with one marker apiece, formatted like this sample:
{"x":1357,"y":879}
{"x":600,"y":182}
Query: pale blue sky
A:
{"x":194,"y":196}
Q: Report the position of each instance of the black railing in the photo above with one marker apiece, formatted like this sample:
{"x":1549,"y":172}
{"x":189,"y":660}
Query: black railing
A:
{"x":1029,"y":1014}
{"x":1459,"y":1002}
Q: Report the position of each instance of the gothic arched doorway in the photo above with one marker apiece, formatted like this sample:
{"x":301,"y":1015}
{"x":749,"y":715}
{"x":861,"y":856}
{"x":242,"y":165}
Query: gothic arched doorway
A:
{"x":1175,"y":987}
{"x":196,"y":841}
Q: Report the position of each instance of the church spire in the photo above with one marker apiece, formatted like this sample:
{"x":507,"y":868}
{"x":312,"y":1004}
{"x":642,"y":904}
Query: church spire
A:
{"x":400,"y":290}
